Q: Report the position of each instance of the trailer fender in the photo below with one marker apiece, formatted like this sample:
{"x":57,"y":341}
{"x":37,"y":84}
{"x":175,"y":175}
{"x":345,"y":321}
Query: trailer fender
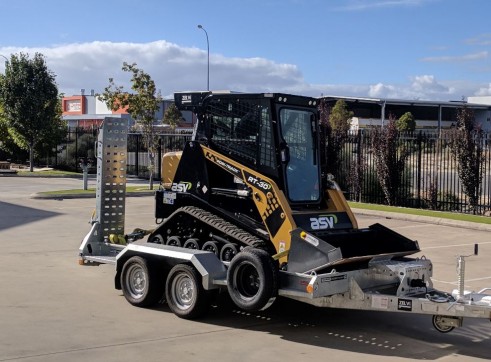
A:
{"x":165,"y":257}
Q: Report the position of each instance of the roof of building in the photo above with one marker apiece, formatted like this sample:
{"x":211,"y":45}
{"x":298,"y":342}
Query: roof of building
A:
{"x":411,"y":102}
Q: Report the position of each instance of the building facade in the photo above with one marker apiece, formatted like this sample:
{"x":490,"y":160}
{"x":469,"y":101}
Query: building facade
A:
{"x":428,"y":115}
{"x":87,"y":111}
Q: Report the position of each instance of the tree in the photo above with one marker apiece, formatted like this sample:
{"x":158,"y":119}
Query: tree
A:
{"x":29,"y":96}
{"x":467,"y":149}
{"x":4,"y":131}
{"x":340,"y":117}
{"x":390,"y":160}
{"x":141,"y":105}
{"x":406,"y":123}
{"x":172,"y":116}
{"x":335,"y":123}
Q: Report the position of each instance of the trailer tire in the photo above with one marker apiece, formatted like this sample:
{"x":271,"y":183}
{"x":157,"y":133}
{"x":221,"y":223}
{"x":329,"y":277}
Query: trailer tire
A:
{"x":184,"y":292}
{"x":141,"y":283}
{"x":252,"y":279}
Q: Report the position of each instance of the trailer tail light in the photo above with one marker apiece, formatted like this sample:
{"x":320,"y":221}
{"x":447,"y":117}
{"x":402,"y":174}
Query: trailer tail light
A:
{"x":310,"y":287}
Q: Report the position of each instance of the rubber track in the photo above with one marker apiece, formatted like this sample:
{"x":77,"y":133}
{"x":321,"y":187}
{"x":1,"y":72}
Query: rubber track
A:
{"x":220,"y":224}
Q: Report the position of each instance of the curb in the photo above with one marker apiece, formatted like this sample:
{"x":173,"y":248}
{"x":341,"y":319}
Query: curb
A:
{"x":424,"y":219}
{"x":40,"y":196}
{"x":34,"y":175}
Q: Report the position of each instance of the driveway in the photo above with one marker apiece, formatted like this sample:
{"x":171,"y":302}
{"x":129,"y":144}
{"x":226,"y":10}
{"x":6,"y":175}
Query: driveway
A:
{"x":52,"y":309}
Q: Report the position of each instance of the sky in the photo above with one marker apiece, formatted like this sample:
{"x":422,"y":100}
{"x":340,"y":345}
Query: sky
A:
{"x":397,"y":49}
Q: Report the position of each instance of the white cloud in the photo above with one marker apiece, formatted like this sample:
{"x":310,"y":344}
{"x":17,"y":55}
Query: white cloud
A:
{"x":428,"y":84}
{"x":458,"y":58}
{"x":484,"y":91}
{"x":422,"y":87}
{"x":175,"y":68}
{"x":380,"y":90}
{"x":360,"y":5}
{"x":482,"y":39}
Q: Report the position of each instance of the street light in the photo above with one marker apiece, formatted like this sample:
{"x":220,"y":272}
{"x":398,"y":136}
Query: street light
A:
{"x":6,"y":61}
{"x":208,"y":46}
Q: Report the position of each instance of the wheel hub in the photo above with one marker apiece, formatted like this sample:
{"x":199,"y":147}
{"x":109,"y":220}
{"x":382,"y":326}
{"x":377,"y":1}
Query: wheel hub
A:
{"x":137,"y":281}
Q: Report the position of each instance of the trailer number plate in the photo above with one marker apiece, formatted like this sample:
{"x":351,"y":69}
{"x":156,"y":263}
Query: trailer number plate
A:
{"x":380,"y":302}
{"x":405,"y":304}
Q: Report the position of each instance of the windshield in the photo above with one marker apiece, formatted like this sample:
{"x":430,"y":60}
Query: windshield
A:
{"x":302,"y":171}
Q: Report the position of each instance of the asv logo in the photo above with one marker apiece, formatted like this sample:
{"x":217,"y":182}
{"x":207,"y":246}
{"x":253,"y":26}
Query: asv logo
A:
{"x":323,"y":222}
{"x":181,"y":186}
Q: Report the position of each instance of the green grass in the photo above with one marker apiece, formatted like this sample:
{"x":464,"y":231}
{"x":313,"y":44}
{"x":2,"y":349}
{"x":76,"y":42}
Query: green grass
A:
{"x":47,"y":173}
{"x":421,"y":212}
{"x":91,"y":191}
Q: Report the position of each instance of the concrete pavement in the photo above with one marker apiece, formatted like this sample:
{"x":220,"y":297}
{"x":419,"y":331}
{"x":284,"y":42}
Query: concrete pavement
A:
{"x":52,"y":309}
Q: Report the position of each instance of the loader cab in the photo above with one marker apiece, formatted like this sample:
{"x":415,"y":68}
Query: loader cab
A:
{"x":274,"y":135}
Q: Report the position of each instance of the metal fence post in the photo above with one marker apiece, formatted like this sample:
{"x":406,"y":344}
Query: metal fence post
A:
{"x":137,"y":155}
{"x":159,"y":162}
{"x":76,"y":149}
{"x":418,"y":172}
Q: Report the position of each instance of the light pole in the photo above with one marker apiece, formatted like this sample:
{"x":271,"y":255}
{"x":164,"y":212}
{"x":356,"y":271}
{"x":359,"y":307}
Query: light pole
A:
{"x":4,"y":57}
{"x":208,"y":46}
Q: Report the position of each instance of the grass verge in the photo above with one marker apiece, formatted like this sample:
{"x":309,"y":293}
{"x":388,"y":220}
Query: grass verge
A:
{"x":48,"y":173}
{"x":91,"y":191}
{"x":421,"y":212}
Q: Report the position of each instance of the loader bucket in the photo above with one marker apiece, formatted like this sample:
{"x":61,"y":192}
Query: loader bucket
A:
{"x":344,"y":247}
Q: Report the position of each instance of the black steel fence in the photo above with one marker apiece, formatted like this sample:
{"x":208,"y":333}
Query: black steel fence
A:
{"x":80,"y":144}
{"x":430,"y":178}
{"x":138,"y":155}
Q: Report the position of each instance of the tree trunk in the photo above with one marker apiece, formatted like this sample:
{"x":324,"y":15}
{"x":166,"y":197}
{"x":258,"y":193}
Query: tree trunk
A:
{"x":150,"y":181}
{"x":151,"y":168}
{"x":31,"y":157}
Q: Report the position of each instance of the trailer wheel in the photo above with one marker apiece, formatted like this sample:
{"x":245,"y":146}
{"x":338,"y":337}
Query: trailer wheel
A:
{"x":184,"y":292}
{"x":252,"y":279}
{"x":141,"y":284}
{"x":211,"y":246}
{"x":437,"y":321}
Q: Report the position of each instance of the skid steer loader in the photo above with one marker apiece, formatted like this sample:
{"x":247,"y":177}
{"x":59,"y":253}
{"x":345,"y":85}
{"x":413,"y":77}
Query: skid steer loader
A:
{"x":247,"y":207}
{"x":255,"y":177}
